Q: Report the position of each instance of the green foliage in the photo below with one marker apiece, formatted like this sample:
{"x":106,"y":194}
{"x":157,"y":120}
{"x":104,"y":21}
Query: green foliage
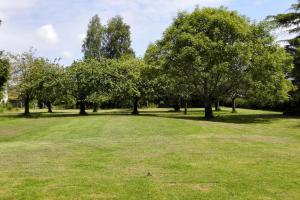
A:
{"x":291,"y":21}
{"x":4,"y":71}
{"x":89,"y":80}
{"x":50,"y":83}
{"x":217,"y":53}
{"x":92,"y":44}
{"x":117,"y":40}
{"x":27,"y":74}
{"x":36,"y":78}
{"x":112,"y":41}
{"x":133,"y":81}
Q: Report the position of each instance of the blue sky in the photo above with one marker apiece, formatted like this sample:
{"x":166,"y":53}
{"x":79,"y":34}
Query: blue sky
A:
{"x":56,"y":28}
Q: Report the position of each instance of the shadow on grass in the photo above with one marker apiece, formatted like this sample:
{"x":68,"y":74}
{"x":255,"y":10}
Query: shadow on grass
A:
{"x":195,"y":115}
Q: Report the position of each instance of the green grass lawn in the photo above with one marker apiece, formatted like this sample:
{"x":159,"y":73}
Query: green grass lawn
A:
{"x":157,"y":155}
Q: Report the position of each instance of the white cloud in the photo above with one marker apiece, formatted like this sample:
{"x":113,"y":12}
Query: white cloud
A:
{"x":47,"y":33}
{"x":67,"y":54}
{"x":147,"y":18}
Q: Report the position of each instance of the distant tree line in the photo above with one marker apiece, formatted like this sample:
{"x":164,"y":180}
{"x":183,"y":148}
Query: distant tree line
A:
{"x":211,"y":53}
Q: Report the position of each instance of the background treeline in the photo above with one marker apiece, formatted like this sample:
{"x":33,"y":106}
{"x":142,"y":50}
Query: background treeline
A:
{"x":209,"y":56}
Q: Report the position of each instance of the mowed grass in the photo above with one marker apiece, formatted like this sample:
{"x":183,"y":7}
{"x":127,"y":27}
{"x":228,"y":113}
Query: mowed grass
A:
{"x":157,"y":155}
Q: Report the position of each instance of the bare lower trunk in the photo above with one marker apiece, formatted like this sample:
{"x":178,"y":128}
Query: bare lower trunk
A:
{"x":233,"y":104}
{"x":208,"y":110}
{"x":185,"y":108}
{"x":82,"y":108}
{"x":217,"y":106}
{"x":95,"y":108}
{"x":49,"y":106}
{"x":135,"y":106}
{"x":26,"y":105}
{"x":177,"y":105}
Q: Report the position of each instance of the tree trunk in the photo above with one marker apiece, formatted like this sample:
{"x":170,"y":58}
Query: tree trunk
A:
{"x":49,"y":106}
{"x":95,"y":108}
{"x":185,"y":108}
{"x":217,"y":105}
{"x":26,"y":105}
{"x":208,"y":110}
{"x":233,"y":105}
{"x":177,"y":105}
{"x":135,"y":106}
{"x":82,"y":108}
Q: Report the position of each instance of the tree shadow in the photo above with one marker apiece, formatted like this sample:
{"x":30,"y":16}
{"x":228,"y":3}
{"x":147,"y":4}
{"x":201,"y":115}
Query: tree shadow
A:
{"x":195,"y":115}
{"x":226,"y":117}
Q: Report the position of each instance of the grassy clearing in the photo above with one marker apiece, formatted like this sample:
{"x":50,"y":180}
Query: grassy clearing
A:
{"x":158,"y":155}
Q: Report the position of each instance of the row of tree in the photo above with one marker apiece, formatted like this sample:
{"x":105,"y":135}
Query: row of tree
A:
{"x":212,"y":53}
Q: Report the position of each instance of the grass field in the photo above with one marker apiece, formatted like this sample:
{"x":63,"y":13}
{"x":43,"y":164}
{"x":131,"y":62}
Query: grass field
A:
{"x":158,"y":155}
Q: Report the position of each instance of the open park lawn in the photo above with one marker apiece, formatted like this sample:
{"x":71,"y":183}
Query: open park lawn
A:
{"x":157,"y":155}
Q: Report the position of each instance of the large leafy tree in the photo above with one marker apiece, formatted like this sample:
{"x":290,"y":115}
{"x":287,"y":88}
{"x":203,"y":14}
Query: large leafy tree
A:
{"x":201,"y":48}
{"x":133,"y":81}
{"x":262,"y":72}
{"x":92,"y":44}
{"x":49,"y":87}
{"x":86,"y":79}
{"x":117,"y":40}
{"x":27,"y":73}
{"x":167,"y":85}
{"x":213,"y":50}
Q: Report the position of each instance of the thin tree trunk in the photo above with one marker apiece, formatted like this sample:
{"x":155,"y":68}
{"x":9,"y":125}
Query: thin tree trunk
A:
{"x":233,"y":104}
{"x":185,"y":107}
{"x":26,"y":105}
{"x":135,"y":106}
{"x":208,"y":110}
{"x":95,"y":108}
{"x":82,"y":108}
{"x":177,"y":105}
{"x":217,"y":105}
{"x":49,"y":106}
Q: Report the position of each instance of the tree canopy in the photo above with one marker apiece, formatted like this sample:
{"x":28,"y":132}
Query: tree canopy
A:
{"x":85,"y":79}
{"x":291,"y":22}
{"x":211,"y":53}
{"x":92,"y":44}
{"x":117,"y":41}
{"x":214,"y":50}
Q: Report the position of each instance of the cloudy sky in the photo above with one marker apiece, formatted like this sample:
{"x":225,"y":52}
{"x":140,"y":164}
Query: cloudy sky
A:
{"x":56,"y":28}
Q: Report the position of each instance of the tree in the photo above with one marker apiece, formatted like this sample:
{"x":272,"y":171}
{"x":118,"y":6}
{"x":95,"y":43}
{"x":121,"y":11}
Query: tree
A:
{"x":133,"y":82}
{"x":270,"y":65}
{"x":291,"y":21}
{"x":213,"y":50}
{"x":86,"y":78}
{"x":117,"y":40}
{"x":50,"y":83}
{"x":162,"y":86}
{"x":27,"y":73}
{"x":92,"y":44}
{"x":4,"y":71}
{"x":165,"y":84}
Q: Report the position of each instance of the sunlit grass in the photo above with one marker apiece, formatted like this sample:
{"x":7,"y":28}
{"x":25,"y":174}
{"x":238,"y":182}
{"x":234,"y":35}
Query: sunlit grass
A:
{"x":157,"y":155}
